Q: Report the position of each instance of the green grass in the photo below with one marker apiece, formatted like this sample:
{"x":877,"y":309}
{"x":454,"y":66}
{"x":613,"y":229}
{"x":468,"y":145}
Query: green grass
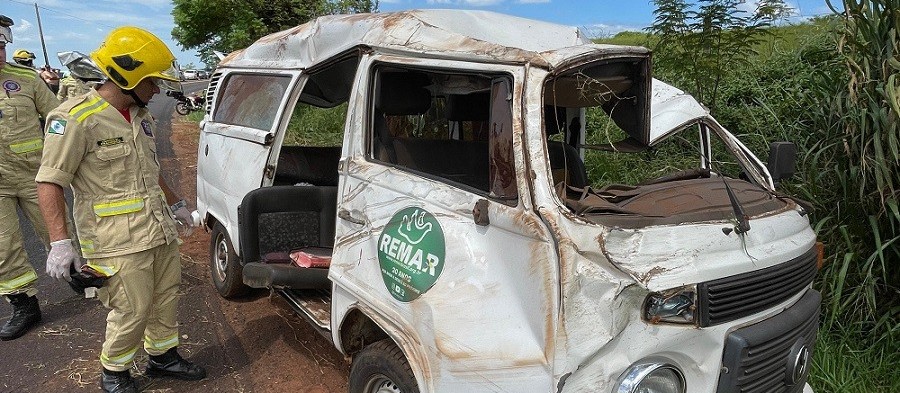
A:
{"x":844,"y":362}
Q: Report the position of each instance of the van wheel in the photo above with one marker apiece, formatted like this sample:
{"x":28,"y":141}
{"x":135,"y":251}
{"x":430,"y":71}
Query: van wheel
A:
{"x":381,"y":368}
{"x":224,"y":266}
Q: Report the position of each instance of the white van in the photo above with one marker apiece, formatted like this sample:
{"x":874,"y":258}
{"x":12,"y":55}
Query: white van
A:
{"x":495,"y":204}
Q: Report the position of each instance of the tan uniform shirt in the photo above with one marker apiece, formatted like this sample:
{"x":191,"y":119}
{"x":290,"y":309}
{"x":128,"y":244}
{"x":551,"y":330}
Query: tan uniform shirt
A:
{"x":113,"y":170}
{"x":70,"y":87}
{"x":25,"y":99}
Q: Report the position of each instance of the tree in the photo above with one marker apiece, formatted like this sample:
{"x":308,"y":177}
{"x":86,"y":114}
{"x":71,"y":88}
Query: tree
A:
{"x":698,"y":44}
{"x":228,"y":25}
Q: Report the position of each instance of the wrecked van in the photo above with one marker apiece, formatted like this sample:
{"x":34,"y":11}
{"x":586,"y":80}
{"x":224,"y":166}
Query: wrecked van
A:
{"x":472,"y":202}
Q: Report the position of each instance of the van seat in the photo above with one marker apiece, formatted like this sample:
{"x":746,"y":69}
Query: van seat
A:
{"x":285,"y":218}
{"x":566,"y":164}
{"x":308,"y":164}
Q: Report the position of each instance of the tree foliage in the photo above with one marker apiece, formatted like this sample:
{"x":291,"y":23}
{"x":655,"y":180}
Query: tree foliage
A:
{"x":699,"y":43}
{"x":227,"y":25}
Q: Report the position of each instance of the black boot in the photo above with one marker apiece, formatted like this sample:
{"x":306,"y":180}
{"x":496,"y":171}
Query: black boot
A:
{"x":171,"y":364}
{"x":117,"y":382}
{"x":26,"y":314}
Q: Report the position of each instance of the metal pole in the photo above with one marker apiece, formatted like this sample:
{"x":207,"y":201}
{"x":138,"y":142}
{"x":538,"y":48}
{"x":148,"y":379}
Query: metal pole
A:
{"x":41,"y":31}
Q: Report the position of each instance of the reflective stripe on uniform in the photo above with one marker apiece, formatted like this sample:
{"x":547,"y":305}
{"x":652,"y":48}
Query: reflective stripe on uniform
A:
{"x":109,"y":271}
{"x":20,"y":72}
{"x":119,"y":361}
{"x":27,"y":146}
{"x":87,"y":108}
{"x":162,"y":345}
{"x":119,"y":207}
{"x":87,"y":246}
{"x":19,"y":282}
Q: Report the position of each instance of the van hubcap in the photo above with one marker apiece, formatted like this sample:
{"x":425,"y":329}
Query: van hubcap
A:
{"x":381,"y":384}
{"x":220,"y":260}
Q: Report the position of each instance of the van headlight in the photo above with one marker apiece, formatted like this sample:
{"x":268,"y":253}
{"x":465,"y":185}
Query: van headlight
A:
{"x":651,"y":376}
{"x":674,"y":306}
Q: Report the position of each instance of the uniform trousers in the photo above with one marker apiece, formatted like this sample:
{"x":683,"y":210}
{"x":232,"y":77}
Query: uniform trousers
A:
{"x":143,"y":300}
{"x":17,"y":276}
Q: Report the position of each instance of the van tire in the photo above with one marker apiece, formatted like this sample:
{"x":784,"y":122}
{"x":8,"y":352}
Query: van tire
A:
{"x":381,"y":367}
{"x":224,"y":264}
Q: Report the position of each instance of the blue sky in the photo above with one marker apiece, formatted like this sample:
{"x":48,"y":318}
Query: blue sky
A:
{"x":81,"y":25}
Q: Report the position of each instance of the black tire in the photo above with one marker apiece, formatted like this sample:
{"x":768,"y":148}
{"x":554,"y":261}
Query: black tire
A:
{"x":224,"y":265}
{"x":382,"y":368}
{"x":181,"y":108}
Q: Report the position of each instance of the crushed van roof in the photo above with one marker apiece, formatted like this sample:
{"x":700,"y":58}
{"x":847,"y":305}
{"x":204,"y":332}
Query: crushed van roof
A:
{"x":470,"y":35}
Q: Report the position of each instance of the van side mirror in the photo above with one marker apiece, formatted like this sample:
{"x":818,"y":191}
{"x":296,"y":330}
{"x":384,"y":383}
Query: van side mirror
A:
{"x":782,"y":160}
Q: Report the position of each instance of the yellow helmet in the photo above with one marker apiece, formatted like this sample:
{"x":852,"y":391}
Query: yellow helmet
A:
{"x":22,"y":54}
{"x":130,"y":55}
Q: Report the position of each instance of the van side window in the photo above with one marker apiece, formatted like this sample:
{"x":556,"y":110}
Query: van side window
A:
{"x":311,"y":148}
{"x":250,"y":100}
{"x":453,"y":127}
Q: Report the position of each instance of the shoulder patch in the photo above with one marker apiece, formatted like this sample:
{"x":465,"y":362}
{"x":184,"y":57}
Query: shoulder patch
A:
{"x":148,"y":129}
{"x":57,"y":127}
{"x":11,"y":86}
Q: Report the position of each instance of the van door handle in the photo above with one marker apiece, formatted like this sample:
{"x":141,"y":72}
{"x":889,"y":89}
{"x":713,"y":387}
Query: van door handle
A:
{"x":345,"y":215}
{"x":480,"y":213}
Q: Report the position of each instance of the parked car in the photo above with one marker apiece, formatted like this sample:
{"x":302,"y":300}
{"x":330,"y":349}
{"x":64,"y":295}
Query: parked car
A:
{"x":190,"y":74}
{"x":446,"y":234}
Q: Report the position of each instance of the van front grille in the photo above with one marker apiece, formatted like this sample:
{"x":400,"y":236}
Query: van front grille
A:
{"x":211,"y":90}
{"x":735,"y":297}
{"x":772,"y":356}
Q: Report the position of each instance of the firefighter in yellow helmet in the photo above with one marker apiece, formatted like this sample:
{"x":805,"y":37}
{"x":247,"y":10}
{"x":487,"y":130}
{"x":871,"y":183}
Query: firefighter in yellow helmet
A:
{"x":25,"y":99}
{"x":24,"y":57}
{"x":103,"y":145}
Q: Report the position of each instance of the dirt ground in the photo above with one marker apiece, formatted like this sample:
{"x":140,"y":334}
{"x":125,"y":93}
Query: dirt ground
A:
{"x":256,"y":344}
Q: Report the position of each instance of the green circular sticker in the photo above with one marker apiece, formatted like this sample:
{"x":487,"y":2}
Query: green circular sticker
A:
{"x":411,"y":253}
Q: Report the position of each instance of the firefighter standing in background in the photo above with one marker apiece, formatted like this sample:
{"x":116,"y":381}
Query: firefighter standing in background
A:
{"x":24,"y":101}
{"x":102,"y":144}
{"x":24,"y":58}
{"x":81,"y":77}
{"x":50,"y":76}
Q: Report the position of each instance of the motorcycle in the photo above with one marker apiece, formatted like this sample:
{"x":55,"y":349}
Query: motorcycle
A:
{"x":187,"y":104}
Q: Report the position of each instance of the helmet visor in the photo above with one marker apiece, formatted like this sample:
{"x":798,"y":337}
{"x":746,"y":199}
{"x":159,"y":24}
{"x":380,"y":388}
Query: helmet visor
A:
{"x":169,"y":79}
{"x":5,"y":34}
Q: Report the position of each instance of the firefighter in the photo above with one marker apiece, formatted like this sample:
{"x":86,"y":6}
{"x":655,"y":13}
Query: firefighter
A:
{"x":81,"y":77}
{"x":24,"y":58}
{"x":25,"y":100}
{"x":102,"y":145}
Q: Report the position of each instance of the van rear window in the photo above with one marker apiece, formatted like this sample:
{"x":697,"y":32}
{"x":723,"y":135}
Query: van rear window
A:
{"x":251,"y":100}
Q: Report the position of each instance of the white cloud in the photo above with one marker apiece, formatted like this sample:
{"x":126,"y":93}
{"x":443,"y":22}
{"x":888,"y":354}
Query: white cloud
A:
{"x":532,"y":1}
{"x":22,"y":27}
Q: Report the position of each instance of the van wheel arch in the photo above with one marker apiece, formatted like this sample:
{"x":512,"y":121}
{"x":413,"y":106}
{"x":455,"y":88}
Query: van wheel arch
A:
{"x":357,"y":331}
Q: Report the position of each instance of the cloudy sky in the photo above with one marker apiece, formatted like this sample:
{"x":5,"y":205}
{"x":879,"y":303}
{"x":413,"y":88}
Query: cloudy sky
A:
{"x":81,"y":25}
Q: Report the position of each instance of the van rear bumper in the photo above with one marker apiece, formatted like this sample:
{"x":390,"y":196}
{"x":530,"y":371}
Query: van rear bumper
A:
{"x":262,"y":275}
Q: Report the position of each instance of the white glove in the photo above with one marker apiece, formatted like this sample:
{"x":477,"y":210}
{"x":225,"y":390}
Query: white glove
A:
{"x":183,"y":216}
{"x":61,"y":258}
